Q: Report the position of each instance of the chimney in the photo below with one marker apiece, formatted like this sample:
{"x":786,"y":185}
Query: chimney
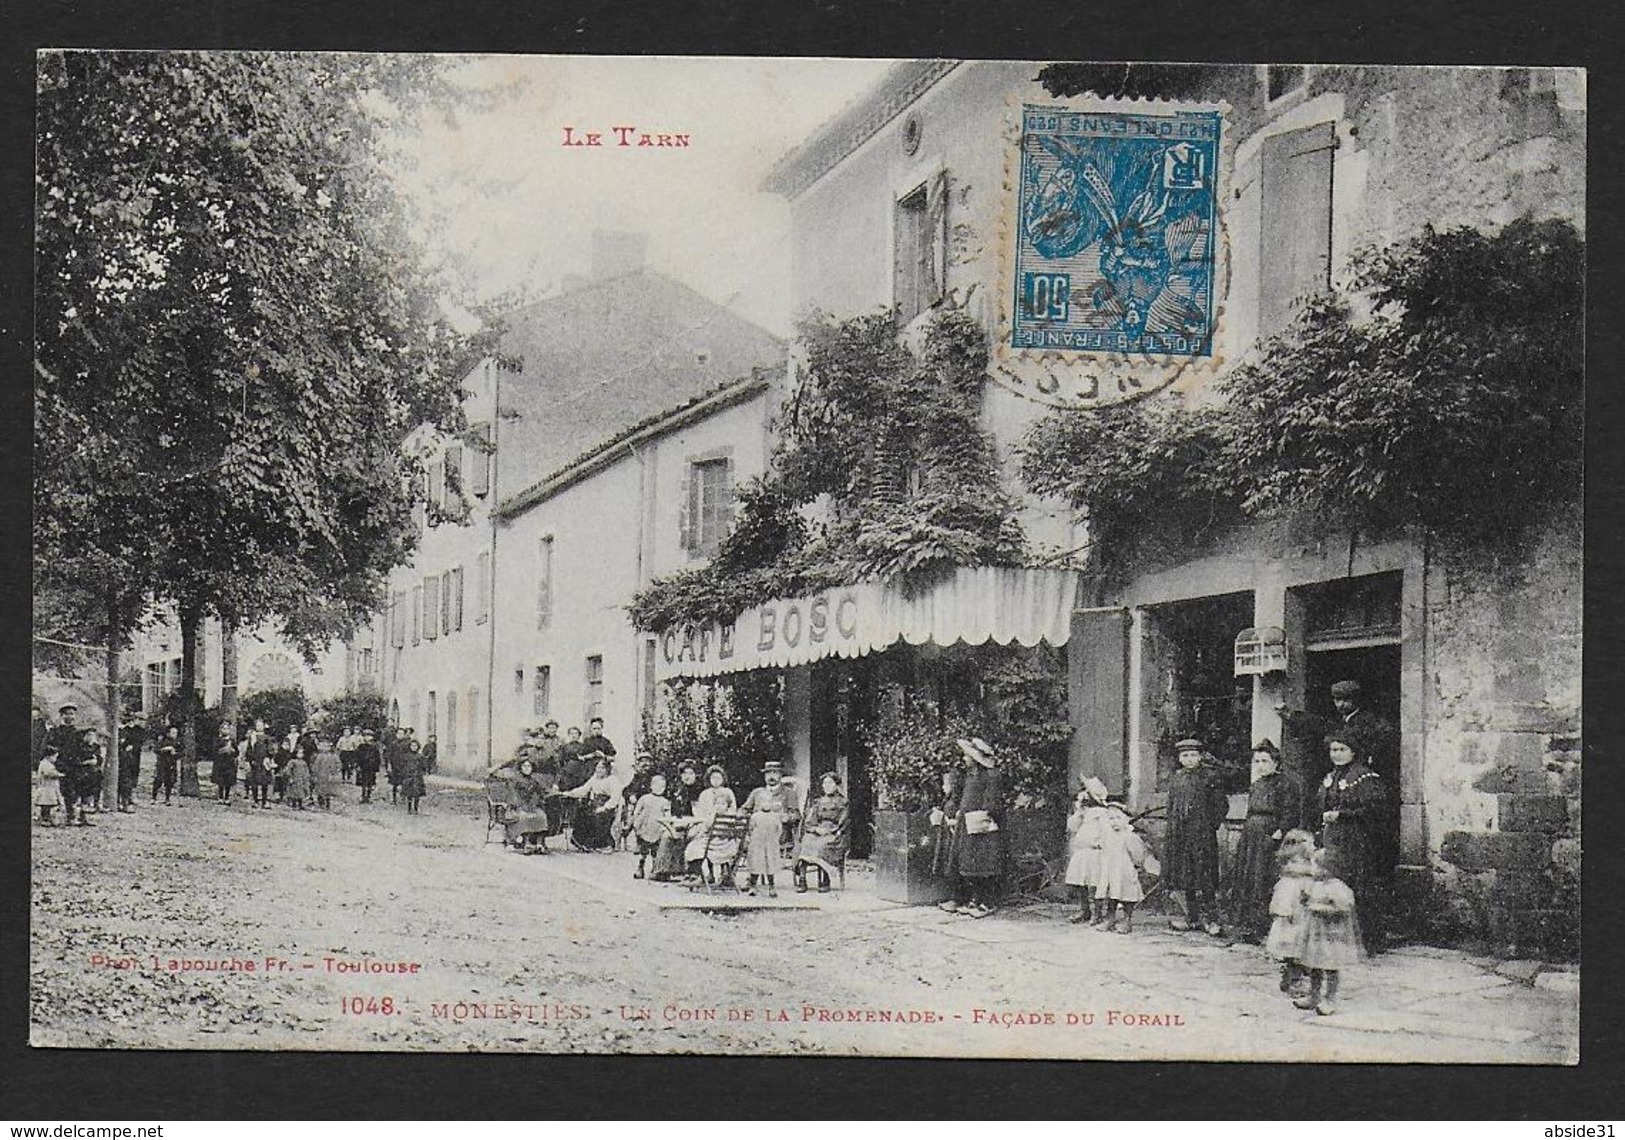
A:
{"x":616,"y":253}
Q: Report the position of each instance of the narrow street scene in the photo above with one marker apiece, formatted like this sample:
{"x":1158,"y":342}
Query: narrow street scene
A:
{"x":388,"y":931}
{"x":919,"y":558}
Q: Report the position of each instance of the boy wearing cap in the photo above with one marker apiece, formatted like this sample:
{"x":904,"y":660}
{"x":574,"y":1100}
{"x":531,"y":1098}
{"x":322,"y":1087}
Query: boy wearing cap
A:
{"x":1197,"y":806}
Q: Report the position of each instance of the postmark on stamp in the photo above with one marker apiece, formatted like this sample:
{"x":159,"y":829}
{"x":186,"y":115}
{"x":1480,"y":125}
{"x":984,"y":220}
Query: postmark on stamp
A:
{"x":1115,"y":246}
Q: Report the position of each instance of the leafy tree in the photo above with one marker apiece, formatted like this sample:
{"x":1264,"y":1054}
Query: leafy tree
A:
{"x":363,"y":710}
{"x":235,"y":335}
{"x":891,"y":442}
{"x":280,"y":709}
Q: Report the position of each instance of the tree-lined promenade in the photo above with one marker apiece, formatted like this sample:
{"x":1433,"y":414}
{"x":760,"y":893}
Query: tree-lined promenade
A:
{"x":236,"y":333}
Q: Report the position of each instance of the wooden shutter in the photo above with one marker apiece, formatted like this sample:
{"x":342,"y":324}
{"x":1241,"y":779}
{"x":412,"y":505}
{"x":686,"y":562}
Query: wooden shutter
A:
{"x":725,"y":499}
{"x":934,"y":268}
{"x":457,"y":598}
{"x":1097,"y":696}
{"x":1295,"y":253}
{"x":480,"y":459}
{"x":417,"y":615}
{"x":688,"y":512}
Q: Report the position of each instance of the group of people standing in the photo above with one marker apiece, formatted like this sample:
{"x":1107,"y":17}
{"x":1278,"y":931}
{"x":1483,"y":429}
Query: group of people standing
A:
{"x":567,"y":787}
{"x":1312,"y":906}
{"x":298,"y":769}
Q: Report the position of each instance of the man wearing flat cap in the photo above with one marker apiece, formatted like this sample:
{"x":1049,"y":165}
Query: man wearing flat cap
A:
{"x":81,"y":780}
{"x":1375,"y":741}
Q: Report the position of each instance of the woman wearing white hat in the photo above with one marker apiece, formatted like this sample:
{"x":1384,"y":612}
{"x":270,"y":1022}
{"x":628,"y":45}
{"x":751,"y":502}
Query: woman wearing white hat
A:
{"x":978,"y":849}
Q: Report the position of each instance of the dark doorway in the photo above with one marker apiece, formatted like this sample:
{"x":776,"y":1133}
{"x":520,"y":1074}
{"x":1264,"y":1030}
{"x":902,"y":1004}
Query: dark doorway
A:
{"x":1352,"y":633}
{"x":1191,"y":686}
{"x":843,"y":706}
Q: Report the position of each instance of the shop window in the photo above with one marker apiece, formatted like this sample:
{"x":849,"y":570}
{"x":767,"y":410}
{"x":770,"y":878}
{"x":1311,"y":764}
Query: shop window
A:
{"x":920,"y":242}
{"x":595,"y":687}
{"x":1295,"y":255}
{"x":1352,"y":613}
{"x":1191,"y":688}
{"x":707,"y":508}
{"x":541,"y":684}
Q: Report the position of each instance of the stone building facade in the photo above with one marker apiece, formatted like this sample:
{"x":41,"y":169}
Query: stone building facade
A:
{"x":1478,"y":666}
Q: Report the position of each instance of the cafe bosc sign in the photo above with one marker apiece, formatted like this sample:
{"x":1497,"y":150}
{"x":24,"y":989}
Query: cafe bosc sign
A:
{"x":780,"y":633}
{"x":974,"y":605}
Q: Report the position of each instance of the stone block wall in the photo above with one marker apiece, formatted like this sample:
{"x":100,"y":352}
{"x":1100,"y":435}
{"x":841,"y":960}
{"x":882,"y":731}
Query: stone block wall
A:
{"x":1503,"y":747}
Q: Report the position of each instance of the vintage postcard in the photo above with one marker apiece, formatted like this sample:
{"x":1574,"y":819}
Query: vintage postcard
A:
{"x":852,"y":557}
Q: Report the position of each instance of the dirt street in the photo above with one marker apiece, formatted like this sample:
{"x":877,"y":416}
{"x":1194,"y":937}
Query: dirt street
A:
{"x":202,"y":925}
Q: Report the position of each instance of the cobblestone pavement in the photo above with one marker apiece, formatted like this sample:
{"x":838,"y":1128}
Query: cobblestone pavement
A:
{"x":202,"y":925}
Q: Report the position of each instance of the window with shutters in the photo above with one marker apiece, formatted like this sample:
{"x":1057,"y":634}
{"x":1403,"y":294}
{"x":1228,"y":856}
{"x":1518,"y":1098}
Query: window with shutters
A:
{"x":595,"y":687}
{"x":457,"y":597}
{"x":707,"y":509}
{"x":920,"y":248}
{"x":451,"y":724}
{"x":474,"y":722}
{"x":479,"y":460}
{"x":431,"y":606}
{"x":482,"y":587}
{"x":417,"y":614}
{"x":397,"y":623}
{"x":429,"y":729}
{"x":1295,"y":255}
{"x":544,"y":582}
{"x":519,"y":681}
{"x":541,"y":684}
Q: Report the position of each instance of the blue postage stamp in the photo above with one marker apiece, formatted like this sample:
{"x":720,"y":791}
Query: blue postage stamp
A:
{"x":1117,"y":231}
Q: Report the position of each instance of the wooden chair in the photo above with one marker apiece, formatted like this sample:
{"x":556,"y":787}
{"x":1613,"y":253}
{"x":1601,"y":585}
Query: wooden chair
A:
{"x":499,"y":805}
{"x":725,"y":828}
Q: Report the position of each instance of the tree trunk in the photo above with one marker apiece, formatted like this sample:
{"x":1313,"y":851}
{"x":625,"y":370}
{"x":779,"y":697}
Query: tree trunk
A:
{"x":191,"y":634}
{"x":228,"y":671}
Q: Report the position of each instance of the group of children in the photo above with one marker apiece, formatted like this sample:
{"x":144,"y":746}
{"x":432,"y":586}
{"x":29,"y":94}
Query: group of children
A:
{"x":1312,"y":931}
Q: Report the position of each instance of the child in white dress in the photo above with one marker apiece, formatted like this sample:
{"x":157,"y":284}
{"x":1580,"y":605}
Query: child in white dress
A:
{"x":1123,"y":854}
{"x":48,"y":787}
{"x":1289,"y":910}
{"x":1084,"y":827}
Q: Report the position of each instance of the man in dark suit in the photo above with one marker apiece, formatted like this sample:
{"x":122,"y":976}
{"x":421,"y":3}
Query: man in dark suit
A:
{"x":79,"y":775}
{"x":1375,"y":741}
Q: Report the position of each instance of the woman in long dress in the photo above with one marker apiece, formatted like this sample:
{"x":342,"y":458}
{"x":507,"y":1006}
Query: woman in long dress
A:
{"x":1272,"y":811}
{"x":716,"y":799}
{"x":527,"y":824}
{"x":824,"y":837}
{"x":600,"y":796}
{"x":668,"y":862}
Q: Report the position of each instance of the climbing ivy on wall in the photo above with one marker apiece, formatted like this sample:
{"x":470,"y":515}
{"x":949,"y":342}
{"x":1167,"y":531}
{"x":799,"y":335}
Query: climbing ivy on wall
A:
{"x":1443,"y":389}
{"x":881,"y":471}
